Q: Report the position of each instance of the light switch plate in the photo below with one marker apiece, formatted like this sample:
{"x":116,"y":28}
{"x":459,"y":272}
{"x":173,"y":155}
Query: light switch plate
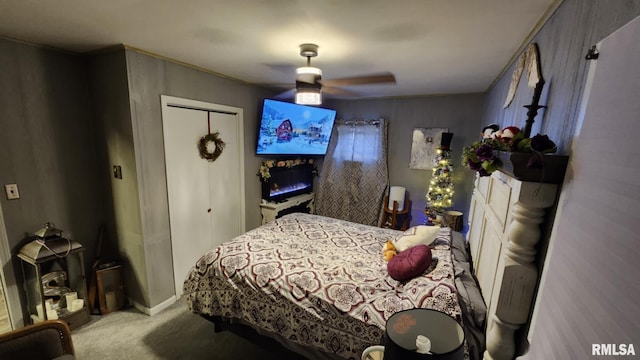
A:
{"x":117,"y":171}
{"x":12,"y":191}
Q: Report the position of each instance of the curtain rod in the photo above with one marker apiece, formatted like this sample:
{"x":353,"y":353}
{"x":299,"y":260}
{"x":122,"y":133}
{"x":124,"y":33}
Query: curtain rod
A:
{"x":201,"y":109}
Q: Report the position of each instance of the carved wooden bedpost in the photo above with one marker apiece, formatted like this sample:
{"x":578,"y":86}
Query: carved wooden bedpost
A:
{"x":519,"y":274}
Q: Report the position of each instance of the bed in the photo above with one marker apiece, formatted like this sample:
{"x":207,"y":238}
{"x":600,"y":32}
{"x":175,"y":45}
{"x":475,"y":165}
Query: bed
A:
{"x":320,"y":286}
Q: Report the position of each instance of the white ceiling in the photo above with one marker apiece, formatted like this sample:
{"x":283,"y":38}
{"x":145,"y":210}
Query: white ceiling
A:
{"x":431,"y":46}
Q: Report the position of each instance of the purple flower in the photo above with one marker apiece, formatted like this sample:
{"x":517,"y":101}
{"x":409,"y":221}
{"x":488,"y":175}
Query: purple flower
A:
{"x":483,"y":172}
{"x":542,"y":143}
{"x":485,"y":152}
{"x":475,"y":166}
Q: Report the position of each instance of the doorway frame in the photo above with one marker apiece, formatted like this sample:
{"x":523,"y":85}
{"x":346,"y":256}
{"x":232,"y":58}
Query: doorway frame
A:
{"x":11,"y":295}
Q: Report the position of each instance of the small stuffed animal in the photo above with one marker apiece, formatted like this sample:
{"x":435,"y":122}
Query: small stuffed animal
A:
{"x":507,"y":134}
{"x":488,"y":132}
{"x":388,"y":250}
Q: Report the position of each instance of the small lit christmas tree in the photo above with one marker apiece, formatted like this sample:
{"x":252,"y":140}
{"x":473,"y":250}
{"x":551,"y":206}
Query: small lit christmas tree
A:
{"x":440,"y":194}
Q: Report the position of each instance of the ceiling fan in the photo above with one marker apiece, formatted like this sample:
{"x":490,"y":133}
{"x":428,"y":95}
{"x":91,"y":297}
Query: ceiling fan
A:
{"x":310,"y":85}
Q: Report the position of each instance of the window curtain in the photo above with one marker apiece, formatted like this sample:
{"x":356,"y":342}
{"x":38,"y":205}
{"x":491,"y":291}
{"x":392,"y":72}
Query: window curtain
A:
{"x":354,"y":174}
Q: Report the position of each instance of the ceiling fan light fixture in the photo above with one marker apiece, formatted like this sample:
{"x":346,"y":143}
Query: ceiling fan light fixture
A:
{"x":308,"y":50}
{"x":308,"y":70}
{"x":308,"y":74}
{"x":308,"y":96}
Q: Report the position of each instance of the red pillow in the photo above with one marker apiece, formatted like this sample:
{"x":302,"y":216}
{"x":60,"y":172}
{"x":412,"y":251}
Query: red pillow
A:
{"x":409,"y":263}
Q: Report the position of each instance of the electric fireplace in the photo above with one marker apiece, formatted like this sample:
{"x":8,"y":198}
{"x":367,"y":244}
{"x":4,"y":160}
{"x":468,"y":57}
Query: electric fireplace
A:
{"x":286,"y":182}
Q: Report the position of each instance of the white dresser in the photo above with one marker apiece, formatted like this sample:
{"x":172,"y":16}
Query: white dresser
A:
{"x":505,"y":221}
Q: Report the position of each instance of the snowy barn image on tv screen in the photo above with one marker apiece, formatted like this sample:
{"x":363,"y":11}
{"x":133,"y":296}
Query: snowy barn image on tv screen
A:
{"x":292,"y":129}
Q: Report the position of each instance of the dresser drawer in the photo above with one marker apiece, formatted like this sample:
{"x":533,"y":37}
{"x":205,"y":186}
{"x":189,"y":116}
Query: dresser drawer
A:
{"x":482,"y":185}
{"x":499,"y":201}
{"x":487,"y":262}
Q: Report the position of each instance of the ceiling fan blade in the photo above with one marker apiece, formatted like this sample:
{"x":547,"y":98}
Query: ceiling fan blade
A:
{"x":338,"y":91}
{"x":361,"y":80}
{"x":289,"y":94}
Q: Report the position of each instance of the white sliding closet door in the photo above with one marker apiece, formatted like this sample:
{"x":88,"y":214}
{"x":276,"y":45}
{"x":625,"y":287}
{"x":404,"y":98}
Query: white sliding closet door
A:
{"x":206,"y":199}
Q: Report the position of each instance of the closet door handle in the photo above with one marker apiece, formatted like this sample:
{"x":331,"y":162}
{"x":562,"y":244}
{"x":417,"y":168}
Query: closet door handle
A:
{"x":208,"y":210}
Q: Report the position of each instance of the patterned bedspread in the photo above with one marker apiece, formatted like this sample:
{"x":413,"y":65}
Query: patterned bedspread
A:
{"x":316,"y":281}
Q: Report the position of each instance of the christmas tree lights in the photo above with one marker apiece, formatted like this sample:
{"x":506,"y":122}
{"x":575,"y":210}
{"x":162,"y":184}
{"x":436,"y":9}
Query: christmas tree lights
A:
{"x":440,"y":194}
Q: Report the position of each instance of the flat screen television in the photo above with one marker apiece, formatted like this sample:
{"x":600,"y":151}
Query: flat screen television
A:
{"x":292,"y":129}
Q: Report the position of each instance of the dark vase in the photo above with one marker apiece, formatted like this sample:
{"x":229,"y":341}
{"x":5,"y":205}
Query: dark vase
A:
{"x":550,"y":168}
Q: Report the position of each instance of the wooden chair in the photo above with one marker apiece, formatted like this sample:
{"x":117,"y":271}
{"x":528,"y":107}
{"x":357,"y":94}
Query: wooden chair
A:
{"x":50,"y":339}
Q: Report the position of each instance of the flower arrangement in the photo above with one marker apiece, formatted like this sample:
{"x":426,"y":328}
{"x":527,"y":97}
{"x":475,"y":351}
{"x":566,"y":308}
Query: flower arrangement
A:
{"x":482,"y":157}
{"x":265,"y":168}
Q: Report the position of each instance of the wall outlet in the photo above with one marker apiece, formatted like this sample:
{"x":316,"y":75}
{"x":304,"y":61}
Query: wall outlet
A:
{"x":12,"y":191}
{"x":117,"y":171}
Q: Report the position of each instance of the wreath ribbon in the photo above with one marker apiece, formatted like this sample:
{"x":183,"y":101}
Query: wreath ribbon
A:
{"x":205,"y":141}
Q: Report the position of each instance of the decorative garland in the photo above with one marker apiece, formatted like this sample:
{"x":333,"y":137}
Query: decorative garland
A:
{"x":265,"y":169}
{"x":210,"y":146}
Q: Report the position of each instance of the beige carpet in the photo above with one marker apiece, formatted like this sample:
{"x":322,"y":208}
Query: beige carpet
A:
{"x":174,"y":333}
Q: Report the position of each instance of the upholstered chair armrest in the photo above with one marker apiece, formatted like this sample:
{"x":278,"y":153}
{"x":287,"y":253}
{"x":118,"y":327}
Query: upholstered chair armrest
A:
{"x":46,"y":340}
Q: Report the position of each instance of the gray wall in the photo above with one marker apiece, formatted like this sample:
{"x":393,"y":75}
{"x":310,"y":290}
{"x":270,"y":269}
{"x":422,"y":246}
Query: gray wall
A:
{"x":148,"y":78}
{"x":63,"y":125}
{"x":48,"y":148}
{"x":110,"y":103}
{"x":563,"y":43}
{"x":460,"y":113}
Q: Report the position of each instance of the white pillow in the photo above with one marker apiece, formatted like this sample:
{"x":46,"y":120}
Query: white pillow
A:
{"x":416,"y":235}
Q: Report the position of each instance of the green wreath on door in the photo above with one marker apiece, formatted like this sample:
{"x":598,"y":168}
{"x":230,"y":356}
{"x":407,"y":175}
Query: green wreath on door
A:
{"x":210,"y":146}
